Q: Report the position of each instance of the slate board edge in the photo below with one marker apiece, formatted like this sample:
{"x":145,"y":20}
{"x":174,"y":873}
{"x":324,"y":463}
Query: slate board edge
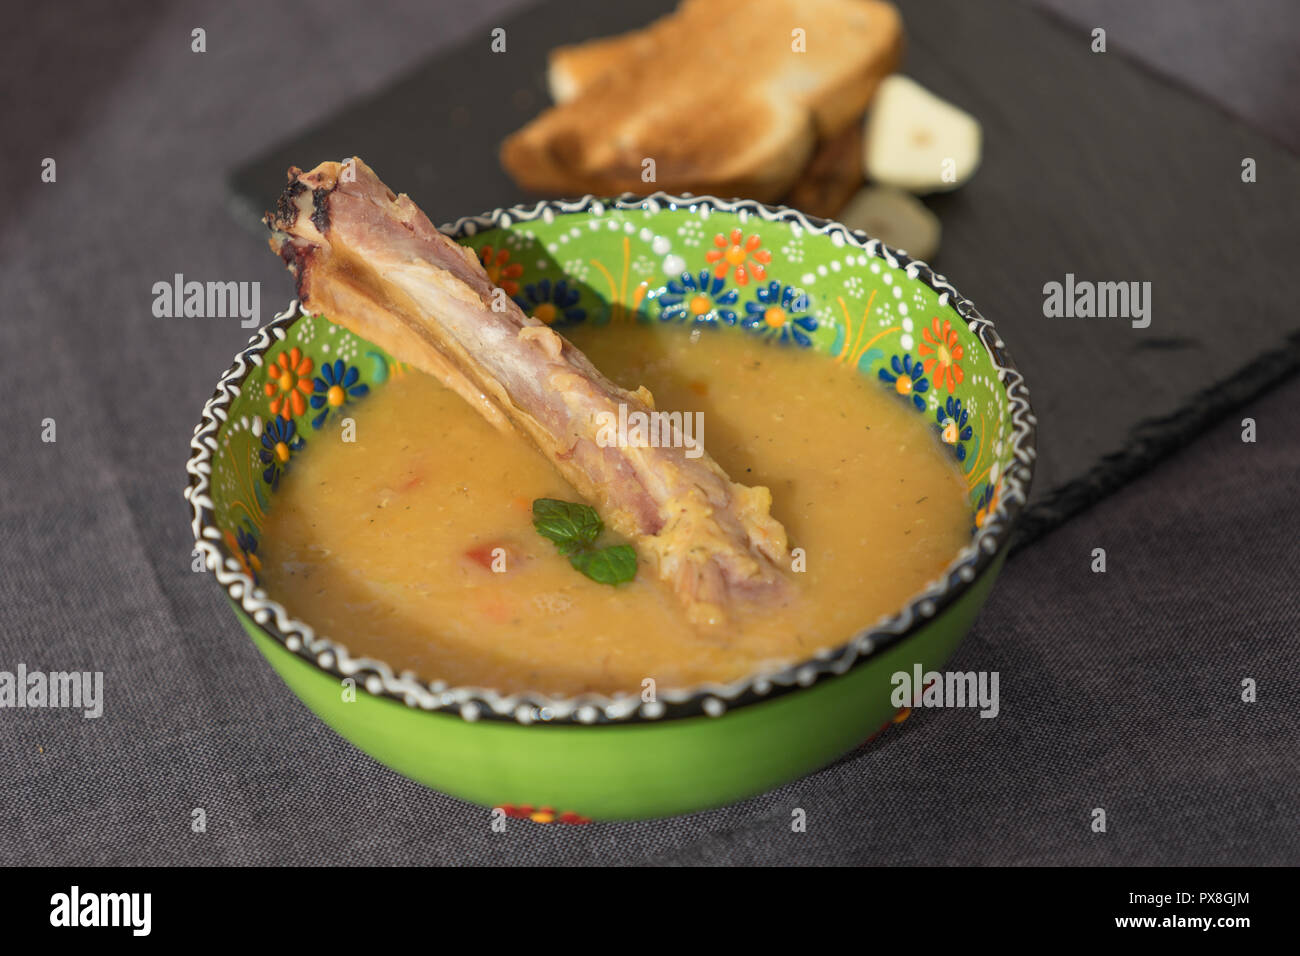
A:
{"x":1154,"y":439}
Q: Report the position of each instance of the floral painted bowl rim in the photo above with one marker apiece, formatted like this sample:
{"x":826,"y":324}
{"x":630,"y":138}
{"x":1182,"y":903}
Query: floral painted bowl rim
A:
{"x":711,"y":699}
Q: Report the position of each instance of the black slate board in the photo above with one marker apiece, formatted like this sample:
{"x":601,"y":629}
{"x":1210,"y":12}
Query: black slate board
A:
{"x":1091,"y":166}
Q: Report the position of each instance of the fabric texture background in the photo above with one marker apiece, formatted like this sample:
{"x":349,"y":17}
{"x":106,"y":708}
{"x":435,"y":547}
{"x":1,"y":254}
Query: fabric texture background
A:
{"x":1120,"y":690}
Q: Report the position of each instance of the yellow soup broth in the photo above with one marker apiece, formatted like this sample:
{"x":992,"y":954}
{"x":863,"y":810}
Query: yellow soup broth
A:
{"x":386,"y":543}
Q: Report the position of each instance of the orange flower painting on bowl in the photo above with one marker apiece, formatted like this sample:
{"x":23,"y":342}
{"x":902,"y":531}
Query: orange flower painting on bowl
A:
{"x":744,"y":255}
{"x":501,"y":271}
{"x":945,"y":352}
{"x":289,"y":383}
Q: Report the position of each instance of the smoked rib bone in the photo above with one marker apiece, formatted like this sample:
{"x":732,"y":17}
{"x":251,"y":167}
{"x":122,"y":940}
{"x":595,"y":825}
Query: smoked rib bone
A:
{"x":373,"y":262}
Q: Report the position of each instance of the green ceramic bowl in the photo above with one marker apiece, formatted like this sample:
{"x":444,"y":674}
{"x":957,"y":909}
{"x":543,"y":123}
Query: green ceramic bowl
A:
{"x":760,"y":270}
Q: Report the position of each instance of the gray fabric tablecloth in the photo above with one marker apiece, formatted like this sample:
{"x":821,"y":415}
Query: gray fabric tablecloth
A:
{"x":1120,"y":690}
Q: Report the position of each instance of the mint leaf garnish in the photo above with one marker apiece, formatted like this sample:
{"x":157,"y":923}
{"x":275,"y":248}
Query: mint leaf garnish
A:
{"x":573,"y":529}
{"x":612,"y":565}
{"x":570,"y":527}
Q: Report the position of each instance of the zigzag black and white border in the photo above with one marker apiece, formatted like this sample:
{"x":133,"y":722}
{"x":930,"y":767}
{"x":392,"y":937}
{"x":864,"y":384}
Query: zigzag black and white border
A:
{"x":474,"y":703}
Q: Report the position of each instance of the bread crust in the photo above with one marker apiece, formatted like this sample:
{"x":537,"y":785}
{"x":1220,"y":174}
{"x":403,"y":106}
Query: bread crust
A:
{"x":714,"y":94}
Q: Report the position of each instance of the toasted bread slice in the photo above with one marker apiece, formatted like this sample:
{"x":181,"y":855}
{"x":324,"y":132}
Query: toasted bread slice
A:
{"x":756,"y":147}
{"x":576,"y":67}
{"x":716,"y":94}
{"x":832,"y":177}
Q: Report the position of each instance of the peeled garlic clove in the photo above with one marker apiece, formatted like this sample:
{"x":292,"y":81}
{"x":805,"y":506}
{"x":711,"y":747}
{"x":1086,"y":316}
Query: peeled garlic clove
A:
{"x":896,"y":218}
{"x":918,"y":142}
